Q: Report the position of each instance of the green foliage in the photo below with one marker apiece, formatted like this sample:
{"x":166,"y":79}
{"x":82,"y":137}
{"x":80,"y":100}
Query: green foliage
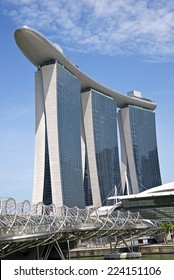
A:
{"x":166,"y":227}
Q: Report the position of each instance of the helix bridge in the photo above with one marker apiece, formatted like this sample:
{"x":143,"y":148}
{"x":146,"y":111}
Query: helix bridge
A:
{"x":27,"y":225}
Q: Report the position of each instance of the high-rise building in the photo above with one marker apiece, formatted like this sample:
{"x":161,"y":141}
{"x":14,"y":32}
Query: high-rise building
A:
{"x":76,"y":143}
{"x":139,"y":156}
{"x":58,"y":161}
{"x":102,"y":169}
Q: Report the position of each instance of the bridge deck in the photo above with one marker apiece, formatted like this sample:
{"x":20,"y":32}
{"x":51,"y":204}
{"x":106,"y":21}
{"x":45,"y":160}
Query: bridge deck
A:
{"x":27,"y":225}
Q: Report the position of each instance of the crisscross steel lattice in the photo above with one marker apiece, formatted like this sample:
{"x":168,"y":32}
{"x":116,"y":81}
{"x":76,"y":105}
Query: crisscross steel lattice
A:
{"x":27,"y":224}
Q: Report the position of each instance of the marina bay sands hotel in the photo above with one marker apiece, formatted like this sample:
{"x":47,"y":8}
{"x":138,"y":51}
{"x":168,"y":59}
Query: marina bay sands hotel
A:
{"x":87,"y":136}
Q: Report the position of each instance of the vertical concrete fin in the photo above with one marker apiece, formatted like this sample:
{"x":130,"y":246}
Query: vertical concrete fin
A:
{"x":40,"y":130}
{"x":127,"y":148}
{"x":89,"y":133}
{"x":51,"y":101}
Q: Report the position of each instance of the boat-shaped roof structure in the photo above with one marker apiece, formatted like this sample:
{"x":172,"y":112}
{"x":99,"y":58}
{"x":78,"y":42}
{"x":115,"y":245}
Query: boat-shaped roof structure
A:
{"x":40,"y":51}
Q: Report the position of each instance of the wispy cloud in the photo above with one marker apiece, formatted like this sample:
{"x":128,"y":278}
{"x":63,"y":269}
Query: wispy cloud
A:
{"x":111,"y":27}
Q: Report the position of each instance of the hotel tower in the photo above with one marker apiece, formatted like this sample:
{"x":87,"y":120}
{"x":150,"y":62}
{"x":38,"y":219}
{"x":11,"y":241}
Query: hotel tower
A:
{"x":89,"y":140}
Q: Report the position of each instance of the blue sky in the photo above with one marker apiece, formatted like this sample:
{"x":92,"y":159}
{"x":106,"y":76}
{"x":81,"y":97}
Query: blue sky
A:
{"x":124,"y":44}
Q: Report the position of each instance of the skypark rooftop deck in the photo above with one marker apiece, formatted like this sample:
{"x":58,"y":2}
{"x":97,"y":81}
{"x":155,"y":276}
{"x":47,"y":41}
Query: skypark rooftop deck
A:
{"x":40,"y":51}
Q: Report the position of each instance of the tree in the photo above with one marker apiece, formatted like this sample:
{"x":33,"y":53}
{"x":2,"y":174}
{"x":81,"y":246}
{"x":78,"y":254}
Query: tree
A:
{"x":166,"y":228}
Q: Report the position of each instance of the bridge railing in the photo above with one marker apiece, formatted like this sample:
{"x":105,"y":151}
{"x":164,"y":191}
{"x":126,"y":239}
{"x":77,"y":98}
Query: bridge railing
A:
{"x":26,"y":220}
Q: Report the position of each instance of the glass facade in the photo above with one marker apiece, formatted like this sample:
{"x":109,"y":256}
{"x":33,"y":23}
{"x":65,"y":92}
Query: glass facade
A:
{"x":47,"y":193}
{"x":78,"y":189}
{"x":87,"y":182}
{"x":143,"y":134}
{"x":158,"y":208}
{"x":59,"y":176}
{"x":68,"y":104}
{"x":104,"y":113}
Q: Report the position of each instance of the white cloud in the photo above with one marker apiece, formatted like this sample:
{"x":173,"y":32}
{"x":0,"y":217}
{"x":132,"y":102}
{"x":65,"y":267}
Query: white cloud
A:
{"x":144,"y":27}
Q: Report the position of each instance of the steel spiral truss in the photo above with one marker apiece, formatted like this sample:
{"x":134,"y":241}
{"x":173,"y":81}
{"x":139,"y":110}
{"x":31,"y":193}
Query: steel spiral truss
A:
{"x":27,"y":224}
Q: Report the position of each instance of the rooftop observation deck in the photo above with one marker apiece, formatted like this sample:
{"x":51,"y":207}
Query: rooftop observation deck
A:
{"x":40,"y":51}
